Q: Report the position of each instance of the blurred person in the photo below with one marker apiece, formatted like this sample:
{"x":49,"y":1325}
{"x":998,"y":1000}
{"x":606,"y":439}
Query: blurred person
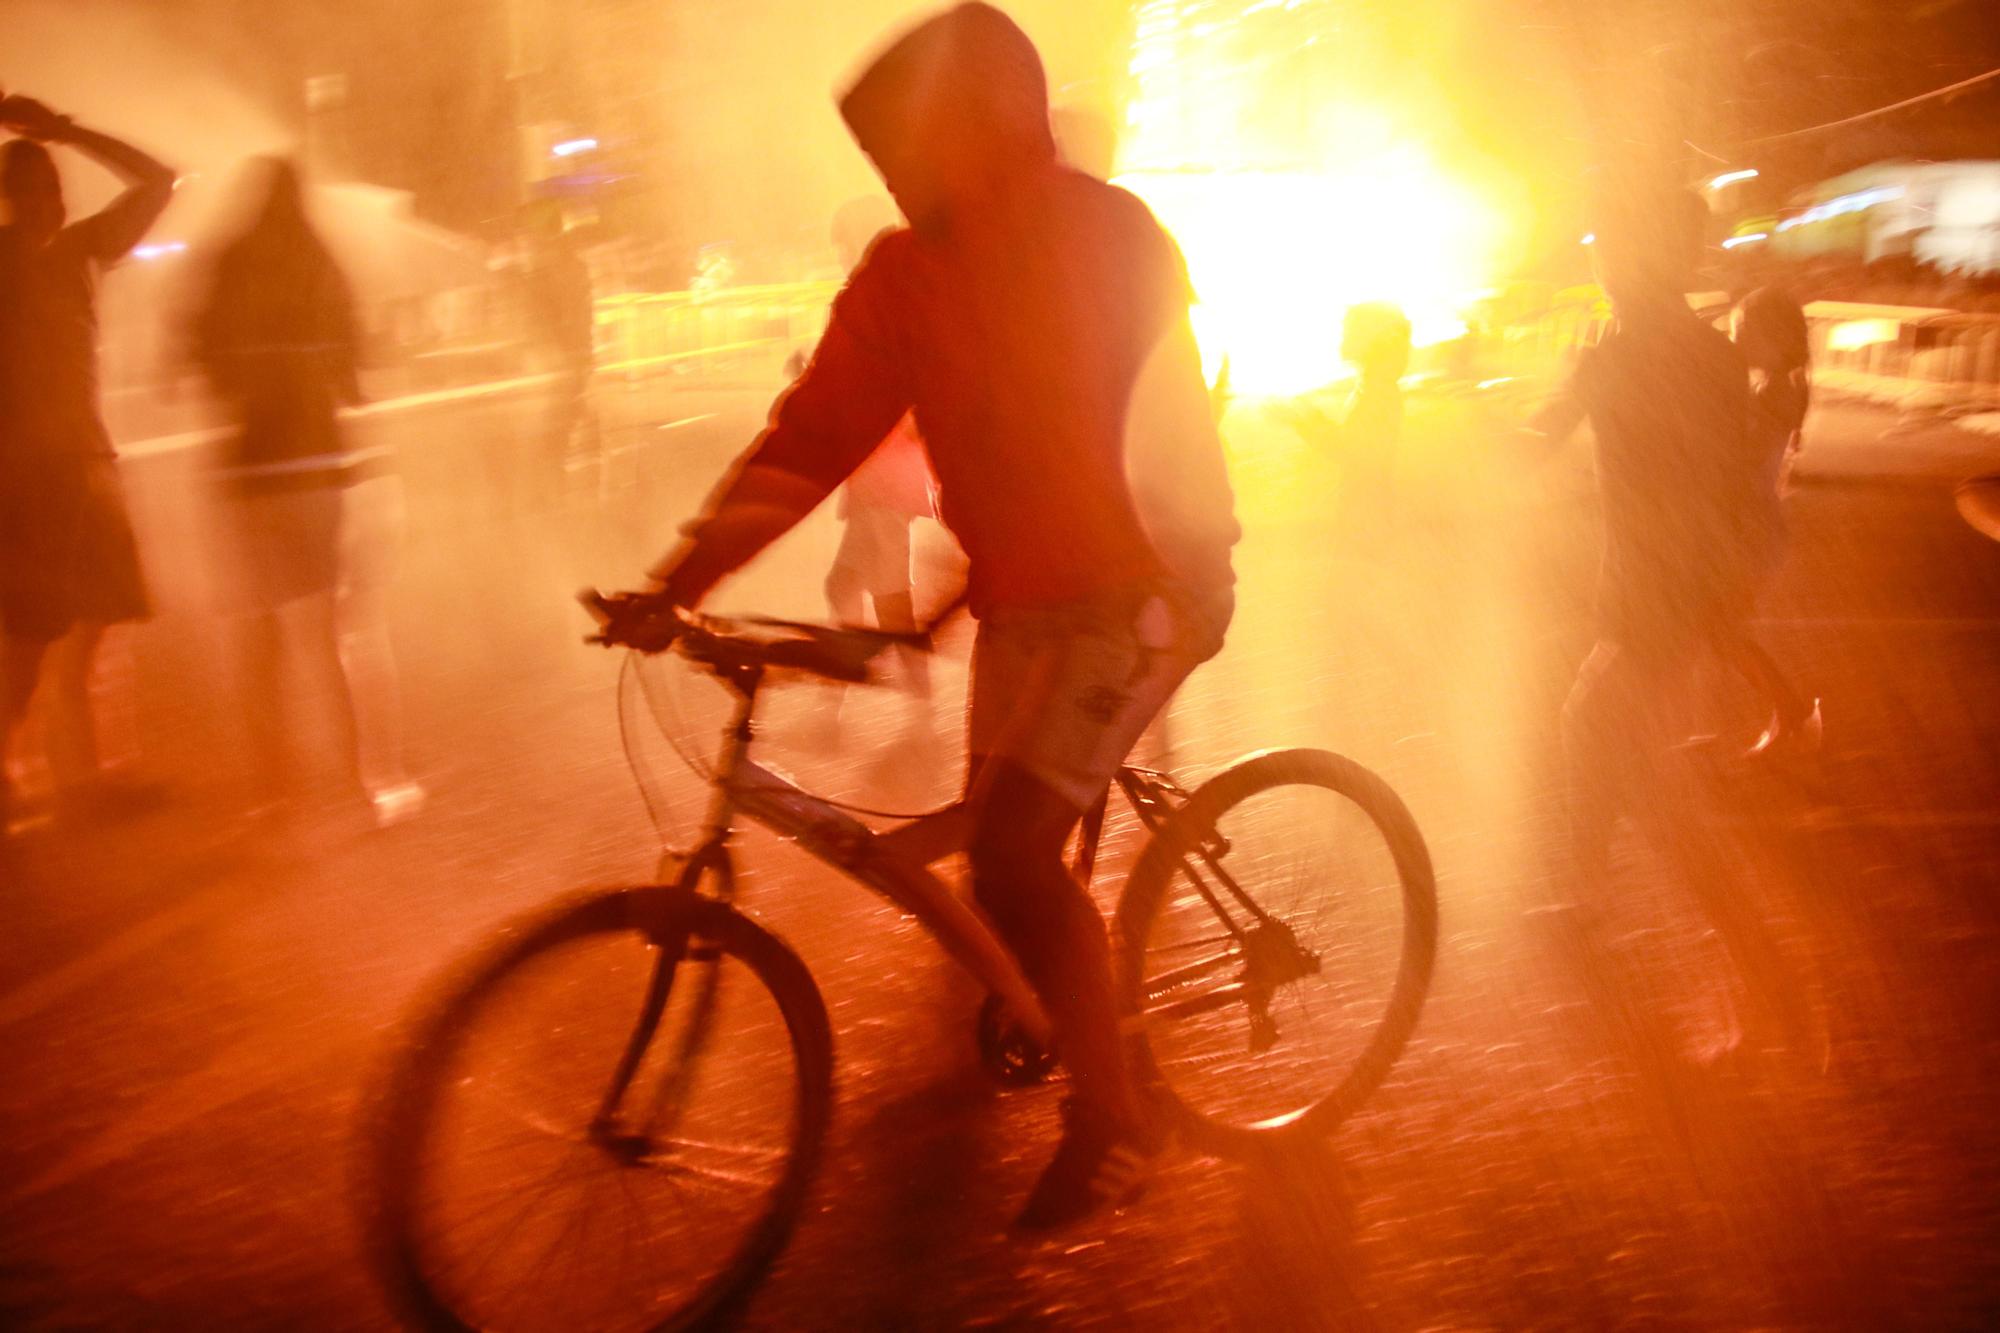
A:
{"x":1031,"y":317}
{"x":880,"y":501}
{"x":1978,"y":503}
{"x":69,"y":564}
{"x":1375,"y":340}
{"x":315,"y":520}
{"x":1769,"y":328}
{"x":562,"y":309}
{"x":1668,"y":400}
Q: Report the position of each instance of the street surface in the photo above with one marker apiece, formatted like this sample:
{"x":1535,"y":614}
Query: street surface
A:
{"x":194,"y":1003}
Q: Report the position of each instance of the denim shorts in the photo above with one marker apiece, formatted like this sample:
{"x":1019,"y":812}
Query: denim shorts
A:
{"x":1065,"y":690}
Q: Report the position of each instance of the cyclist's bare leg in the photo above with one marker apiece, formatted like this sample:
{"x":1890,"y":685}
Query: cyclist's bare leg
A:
{"x":1053,"y":928}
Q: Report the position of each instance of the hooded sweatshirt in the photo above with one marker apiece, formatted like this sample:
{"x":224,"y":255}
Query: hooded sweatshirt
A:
{"x":1014,"y":317}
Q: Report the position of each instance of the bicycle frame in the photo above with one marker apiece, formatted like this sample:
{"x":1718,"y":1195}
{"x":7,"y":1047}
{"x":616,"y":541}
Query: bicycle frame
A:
{"x":895,"y":864}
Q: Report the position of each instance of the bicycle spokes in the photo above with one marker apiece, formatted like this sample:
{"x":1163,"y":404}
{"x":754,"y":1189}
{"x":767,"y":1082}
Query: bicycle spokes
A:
{"x":1254,"y":967}
{"x":599,"y":1129}
{"x":1275,"y":949}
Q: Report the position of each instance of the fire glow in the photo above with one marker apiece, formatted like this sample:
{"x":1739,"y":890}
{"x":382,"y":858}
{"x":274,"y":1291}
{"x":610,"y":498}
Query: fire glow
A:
{"x":1286,"y":223}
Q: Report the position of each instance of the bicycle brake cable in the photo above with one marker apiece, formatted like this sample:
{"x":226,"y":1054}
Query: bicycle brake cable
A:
{"x":649,"y":793}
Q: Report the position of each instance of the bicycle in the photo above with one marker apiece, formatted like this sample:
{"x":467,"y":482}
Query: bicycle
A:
{"x":689,"y":1058}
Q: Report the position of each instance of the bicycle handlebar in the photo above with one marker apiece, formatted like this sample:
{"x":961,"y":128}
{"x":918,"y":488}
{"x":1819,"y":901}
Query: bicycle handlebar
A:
{"x":643,"y":623}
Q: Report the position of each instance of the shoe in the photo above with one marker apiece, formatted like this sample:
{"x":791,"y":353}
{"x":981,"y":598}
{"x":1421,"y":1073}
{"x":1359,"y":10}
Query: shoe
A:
{"x":1791,"y":740}
{"x":1098,"y":1164}
{"x":394,"y":804}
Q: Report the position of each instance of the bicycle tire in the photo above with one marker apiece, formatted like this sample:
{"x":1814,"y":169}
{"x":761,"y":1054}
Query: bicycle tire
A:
{"x":1160,"y":866}
{"x":669,"y":920}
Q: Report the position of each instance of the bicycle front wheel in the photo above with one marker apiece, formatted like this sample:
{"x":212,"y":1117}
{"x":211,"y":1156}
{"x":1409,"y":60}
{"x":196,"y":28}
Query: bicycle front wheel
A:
{"x":1275,"y":942}
{"x":607,"y":1122}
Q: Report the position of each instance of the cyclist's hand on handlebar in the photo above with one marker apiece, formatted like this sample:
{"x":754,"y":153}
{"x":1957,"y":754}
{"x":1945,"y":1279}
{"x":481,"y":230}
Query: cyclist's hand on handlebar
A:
{"x":648,"y":621}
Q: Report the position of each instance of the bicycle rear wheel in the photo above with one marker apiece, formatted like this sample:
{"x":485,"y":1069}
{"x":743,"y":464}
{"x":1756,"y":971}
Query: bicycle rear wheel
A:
{"x":609,"y":1121}
{"x":1275,"y":940}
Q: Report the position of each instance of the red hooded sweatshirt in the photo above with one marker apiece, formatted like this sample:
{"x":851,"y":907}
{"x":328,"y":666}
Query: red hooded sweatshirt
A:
{"x":1013,"y":317}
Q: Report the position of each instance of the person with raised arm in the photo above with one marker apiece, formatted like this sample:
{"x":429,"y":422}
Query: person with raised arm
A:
{"x":69,"y":565}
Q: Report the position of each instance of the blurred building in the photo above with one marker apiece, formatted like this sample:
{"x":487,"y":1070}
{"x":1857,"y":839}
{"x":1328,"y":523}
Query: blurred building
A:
{"x":408,"y":94}
{"x":1942,"y":214}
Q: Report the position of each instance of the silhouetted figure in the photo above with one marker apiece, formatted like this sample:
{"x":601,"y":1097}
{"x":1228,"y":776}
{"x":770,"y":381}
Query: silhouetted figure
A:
{"x":563,"y":314}
{"x":1375,"y":340}
{"x":1029,"y":316}
{"x":1769,"y":328}
{"x":69,"y":565}
{"x":1668,"y":400}
{"x":315,"y":521}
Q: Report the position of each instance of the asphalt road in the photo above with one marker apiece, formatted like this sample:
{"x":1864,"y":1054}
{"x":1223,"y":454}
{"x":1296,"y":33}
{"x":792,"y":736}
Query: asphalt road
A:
{"x":194,"y":1003}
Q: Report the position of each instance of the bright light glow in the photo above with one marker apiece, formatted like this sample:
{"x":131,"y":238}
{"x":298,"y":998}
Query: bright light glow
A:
{"x":1286,"y":221}
{"x":1749,"y":238}
{"x":1841,"y":204}
{"x":1589,"y":238}
{"x":1853,"y":333}
{"x":1277,"y":257}
{"x":158,"y":249}
{"x":1731,"y":177}
{"x":570,"y":147}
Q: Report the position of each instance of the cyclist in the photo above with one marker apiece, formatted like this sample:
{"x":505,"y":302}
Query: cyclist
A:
{"x":1030,"y":317}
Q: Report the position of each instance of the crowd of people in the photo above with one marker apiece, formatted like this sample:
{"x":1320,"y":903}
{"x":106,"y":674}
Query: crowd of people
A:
{"x":1019,"y":353}
{"x":311,"y":519}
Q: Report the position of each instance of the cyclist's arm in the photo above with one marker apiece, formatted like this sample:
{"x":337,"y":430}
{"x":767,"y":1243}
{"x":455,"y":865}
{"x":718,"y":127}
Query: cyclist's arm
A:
{"x":851,"y":395}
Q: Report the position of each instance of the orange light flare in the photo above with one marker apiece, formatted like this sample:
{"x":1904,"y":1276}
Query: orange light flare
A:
{"x":1286,"y":219}
{"x":1277,"y":257}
